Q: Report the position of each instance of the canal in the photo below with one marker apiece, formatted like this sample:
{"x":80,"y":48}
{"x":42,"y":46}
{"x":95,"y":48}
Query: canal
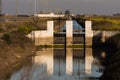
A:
{"x":62,"y":64}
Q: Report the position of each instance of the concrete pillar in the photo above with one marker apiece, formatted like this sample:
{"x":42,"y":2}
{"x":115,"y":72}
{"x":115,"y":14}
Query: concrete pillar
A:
{"x":88,"y":32}
{"x":50,"y":32}
{"x":88,"y":60}
{"x":69,"y":32}
{"x":69,"y":61}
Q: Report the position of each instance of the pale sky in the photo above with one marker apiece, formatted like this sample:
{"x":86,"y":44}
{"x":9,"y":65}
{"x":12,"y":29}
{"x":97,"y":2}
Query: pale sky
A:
{"x":75,"y":6}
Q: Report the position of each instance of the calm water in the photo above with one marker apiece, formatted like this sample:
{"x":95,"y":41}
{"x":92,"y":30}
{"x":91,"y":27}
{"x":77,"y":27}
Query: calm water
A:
{"x":62,"y":64}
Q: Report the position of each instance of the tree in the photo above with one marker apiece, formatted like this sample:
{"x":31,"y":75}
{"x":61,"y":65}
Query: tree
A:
{"x":67,"y":12}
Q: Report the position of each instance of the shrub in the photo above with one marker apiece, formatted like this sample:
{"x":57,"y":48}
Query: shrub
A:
{"x":6,"y":38}
{"x":26,"y":28}
{"x":1,"y":30}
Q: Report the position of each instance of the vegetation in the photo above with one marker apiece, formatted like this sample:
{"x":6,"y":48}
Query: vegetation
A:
{"x":26,"y":28}
{"x":63,"y":46}
{"x":106,"y":23}
{"x":14,"y":46}
{"x":6,"y":38}
{"x":1,"y":30}
{"x":67,"y":12}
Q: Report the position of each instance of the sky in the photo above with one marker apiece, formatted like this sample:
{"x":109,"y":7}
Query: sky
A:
{"x":100,"y":7}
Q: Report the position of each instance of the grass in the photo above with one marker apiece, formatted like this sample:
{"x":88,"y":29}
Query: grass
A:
{"x":106,"y":23}
{"x":63,"y":46}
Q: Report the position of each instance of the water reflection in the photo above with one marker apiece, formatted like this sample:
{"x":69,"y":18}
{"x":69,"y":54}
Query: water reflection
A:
{"x":61,"y":64}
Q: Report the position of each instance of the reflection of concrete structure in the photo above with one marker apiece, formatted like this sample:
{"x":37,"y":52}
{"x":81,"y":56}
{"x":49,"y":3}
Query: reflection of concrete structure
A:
{"x":69,"y":62}
{"x":93,"y":66}
{"x":78,"y":62}
{"x":59,"y":62}
{"x":88,"y":60}
{"x":49,"y":65}
{"x":46,"y":57}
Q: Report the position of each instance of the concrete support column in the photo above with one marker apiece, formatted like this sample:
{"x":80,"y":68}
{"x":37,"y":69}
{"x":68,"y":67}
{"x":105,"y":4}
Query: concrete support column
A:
{"x":69,"y":61}
{"x":88,"y":32}
{"x":88,"y":61}
{"x":50,"y":33}
{"x":69,"y":32}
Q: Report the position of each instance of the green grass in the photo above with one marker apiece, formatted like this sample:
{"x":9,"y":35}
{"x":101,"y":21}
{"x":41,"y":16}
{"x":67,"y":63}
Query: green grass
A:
{"x":63,"y":46}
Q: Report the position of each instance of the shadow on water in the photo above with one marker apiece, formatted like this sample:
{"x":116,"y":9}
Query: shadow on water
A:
{"x":112,"y":60}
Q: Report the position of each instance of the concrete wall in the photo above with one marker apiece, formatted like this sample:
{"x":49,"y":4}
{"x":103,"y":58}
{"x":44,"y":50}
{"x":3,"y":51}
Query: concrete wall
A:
{"x":88,"y":32}
{"x":106,"y":33}
{"x":45,"y":33}
{"x":43,"y":37}
{"x":101,"y":36}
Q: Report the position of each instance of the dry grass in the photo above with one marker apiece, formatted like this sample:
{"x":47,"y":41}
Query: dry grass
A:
{"x":106,"y":23}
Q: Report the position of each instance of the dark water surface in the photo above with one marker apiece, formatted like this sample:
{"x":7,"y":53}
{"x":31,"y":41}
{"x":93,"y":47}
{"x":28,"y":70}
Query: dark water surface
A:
{"x":62,"y":64}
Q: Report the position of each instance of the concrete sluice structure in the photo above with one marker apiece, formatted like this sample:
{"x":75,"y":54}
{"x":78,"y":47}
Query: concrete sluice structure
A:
{"x":69,"y":37}
{"x":60,"y":38}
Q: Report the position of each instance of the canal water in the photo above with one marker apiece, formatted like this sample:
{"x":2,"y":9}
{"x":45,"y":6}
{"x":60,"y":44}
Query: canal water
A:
{"x":62,"y":64}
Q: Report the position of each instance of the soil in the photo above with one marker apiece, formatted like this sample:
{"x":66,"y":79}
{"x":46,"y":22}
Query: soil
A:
{"x":14,"y":51}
